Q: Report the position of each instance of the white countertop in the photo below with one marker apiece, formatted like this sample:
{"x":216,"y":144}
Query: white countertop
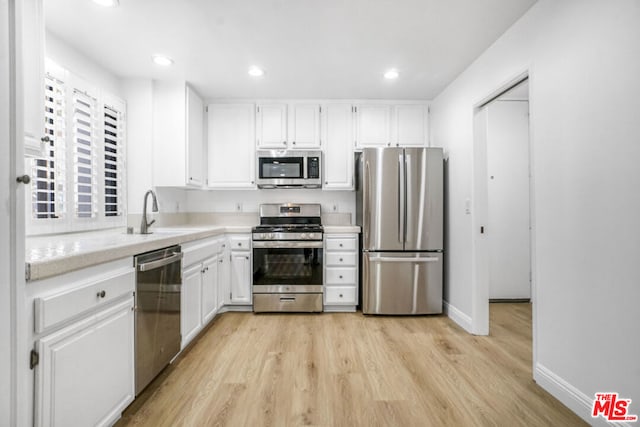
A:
{"x":52,"y":255}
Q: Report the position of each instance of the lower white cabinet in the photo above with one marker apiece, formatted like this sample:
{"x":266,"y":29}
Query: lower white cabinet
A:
{"x":340,"y":272}
{"x":85,"y":375}
{"x":209,"y":288}
{"x":190,"y":307}
{"x":240,"y":283}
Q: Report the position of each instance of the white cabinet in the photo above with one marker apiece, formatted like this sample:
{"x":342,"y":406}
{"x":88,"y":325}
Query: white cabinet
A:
{"x":209,"y":289}
{"x":231,"y":146}
{"x":190,"y":303}
{"x":373,"y":125}
{"x":411,"y":125}
{"x":177,"y":136}
{"x":385,"y":125}
{"x":30,"y":56}
{"x":240,"y":270}
{"x":304,"y":129}
{"x":224,"y":272}
{"x":271,"y":128}
{"x":86,"y":371}
{"x":337,"y":134}
{"x":340,"y":272}
{"x":83,"y":335}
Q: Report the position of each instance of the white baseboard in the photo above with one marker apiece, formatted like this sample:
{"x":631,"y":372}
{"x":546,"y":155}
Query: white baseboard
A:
{"x":463,"y":320}
{"x":570,"y":396}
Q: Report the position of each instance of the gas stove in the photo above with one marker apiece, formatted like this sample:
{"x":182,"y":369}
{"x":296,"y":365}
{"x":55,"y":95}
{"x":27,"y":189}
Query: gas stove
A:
{"x":288,"y":222}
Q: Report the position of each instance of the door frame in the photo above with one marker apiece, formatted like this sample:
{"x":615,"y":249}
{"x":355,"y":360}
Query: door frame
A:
{"x":480,"y":211}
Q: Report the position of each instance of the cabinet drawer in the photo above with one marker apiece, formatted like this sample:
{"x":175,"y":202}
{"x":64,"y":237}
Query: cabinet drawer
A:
{"x":341,"y":259}
{"x":341,"y":244}
{"x":240,"y":243}
{"x":199,"y":250}
{"x":340,"y":276}
{"x":55,"y":309}
{"x":340,"y":295}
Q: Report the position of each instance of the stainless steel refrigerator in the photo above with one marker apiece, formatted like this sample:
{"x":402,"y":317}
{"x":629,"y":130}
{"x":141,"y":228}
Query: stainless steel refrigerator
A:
{"x":399,"y":205}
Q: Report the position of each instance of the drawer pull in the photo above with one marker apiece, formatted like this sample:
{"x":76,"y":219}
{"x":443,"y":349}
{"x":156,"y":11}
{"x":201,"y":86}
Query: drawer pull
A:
{"x":340,"y":244}
{"x":286,"y":299}
{"x":340,"y":259}
{"x":340,"y":276}
{"x":340,"y":295}
{"x":239,"y":243}
{"x":101,"y":294}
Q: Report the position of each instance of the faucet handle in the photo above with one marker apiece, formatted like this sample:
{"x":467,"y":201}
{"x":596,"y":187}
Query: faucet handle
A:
{"x":151,"y":223}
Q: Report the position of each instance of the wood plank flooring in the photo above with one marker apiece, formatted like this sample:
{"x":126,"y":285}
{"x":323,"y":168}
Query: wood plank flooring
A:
{"x":345,"y":369}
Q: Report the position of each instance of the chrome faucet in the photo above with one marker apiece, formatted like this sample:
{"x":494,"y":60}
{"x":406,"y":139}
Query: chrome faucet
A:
{"x":144,"y":226}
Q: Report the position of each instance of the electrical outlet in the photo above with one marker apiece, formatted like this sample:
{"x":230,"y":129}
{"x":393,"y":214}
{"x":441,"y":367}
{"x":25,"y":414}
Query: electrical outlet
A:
{"x":334,"y":207}
{"x":238,"y":207}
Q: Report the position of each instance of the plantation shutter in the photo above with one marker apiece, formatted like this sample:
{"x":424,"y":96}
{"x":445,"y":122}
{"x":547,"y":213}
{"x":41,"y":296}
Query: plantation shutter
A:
{"x":113,"y":160}
{"x":49,"y":172}
{"x":84,"y":151}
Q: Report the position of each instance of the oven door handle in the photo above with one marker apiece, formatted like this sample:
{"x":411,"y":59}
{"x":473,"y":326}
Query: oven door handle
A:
{"x":161,"y":262}
{"x":286,"y":244}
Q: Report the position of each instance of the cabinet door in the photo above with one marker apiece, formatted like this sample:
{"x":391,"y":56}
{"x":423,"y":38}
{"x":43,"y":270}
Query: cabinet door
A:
{"x":337,"y":134}
{"x":31,"y":21}
{"x":240,"y":292}
{"x":373,"y":124}
{"x":85,"y":376}
{"x":224,"y":275}
{"x":272,"y":126}
{"x":194,"y":137}
{"x":305,"y":126}
{"x":231,"y":154}
{"x":209,"y":289}
{"x":411,"y":125}
{"x":190,"y":310}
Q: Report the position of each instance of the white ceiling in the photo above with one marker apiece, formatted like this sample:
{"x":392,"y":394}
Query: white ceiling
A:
{"x":309,"y":48}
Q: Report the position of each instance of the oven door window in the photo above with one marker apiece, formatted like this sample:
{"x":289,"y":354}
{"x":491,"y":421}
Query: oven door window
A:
{"x":281,"y":167}
{"x":287,"y":266}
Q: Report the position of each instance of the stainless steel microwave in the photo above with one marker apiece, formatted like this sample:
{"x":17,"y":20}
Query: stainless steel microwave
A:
{"x":289,"y":169}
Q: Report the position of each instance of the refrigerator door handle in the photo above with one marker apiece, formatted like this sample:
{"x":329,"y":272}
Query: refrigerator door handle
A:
{"x":401,"y":198}
{"x":407,"y":183}
{"x":400,"y":259}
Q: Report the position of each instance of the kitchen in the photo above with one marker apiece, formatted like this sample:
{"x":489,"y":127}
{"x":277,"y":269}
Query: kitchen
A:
{"x":548,"y":44}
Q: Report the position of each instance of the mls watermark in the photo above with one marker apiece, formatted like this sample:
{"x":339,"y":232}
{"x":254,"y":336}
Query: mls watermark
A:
{"x":612,"y":408}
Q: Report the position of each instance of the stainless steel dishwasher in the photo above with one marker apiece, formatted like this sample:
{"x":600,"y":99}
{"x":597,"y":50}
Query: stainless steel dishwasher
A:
{"x":157,"y":304}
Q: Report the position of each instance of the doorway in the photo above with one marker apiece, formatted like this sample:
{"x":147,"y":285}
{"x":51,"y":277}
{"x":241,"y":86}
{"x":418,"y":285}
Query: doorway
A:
{"x":502,"y":220}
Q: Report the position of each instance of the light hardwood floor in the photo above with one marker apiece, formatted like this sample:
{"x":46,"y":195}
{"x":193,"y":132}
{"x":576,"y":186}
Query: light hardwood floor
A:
{"x":352,"y":370}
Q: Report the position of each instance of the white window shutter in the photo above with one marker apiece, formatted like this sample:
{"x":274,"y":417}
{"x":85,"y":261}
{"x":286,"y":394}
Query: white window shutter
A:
{"x":84,"y":152}
{"x":114,"y":131}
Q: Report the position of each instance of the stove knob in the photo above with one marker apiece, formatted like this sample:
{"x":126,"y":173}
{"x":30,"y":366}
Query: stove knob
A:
{"x":303,"y":236}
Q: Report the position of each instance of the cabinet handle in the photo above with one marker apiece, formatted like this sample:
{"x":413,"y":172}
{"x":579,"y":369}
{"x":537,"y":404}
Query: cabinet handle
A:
{"x":101,"y":294}
{"x":340,"y":244}
{"x":23,"y":179}
{"x":294,"y":143}
{"x":388,"y":144}
{"x":284,"y":142}
{"x":253,"y":182}
{"x":340,"y":276}
{"x":340,"y":295}
{"x":221,"y":261}
{"x":239,"y":243}
{"x":45,"y":139}
{"x":340,"y":259}
{"x":247,"y":257}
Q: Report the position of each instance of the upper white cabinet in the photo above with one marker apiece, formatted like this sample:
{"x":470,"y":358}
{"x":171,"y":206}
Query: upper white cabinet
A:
{"x":271,"y":127}
{"x":177,"y":136}
{"x":304,"y":129}
{"x":411,"y":125}
{"x":31,"y":76}
{"x":231,"y":149}
{"x":337,"y":134}
{"x":387,"y":125}
{"x":373,"y":125}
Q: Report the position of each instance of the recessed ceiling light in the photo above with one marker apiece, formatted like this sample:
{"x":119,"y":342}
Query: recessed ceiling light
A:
{"x":163,"y":60}
{"x":107,"y":3}
{"x":256,"y":71}
{"x":391,"y":74}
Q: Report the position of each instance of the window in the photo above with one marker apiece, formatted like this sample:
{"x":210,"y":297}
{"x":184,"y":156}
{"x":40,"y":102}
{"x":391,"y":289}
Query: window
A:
{"x":79,"y":183}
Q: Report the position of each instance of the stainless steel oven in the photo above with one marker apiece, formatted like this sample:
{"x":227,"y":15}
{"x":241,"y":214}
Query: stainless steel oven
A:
{"x":287,"y":259}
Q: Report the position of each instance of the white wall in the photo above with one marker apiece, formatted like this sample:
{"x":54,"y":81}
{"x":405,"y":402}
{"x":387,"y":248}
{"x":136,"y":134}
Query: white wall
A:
{"x":72,"y":60}
{"x":584,"y":68}
{"x":225,"y":201}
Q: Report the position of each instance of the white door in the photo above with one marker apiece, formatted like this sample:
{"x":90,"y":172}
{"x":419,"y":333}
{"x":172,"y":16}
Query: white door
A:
{"x":508,"y":191}
{"x":86,"y":372}
{"x":209,"y":289}
{"x":240,"y":292}
{"x":337,"y":134}
{"x":231,"y":146}
{"x":373,"y":123}
{"x":272,"y":126}
{"x":190,"y":306}
{"x":194,"y":138}
{"x":305,"y":126}
{"x":411,"y":125}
